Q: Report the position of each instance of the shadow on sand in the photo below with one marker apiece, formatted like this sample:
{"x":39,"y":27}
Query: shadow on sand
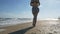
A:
{"x":22,"y":31}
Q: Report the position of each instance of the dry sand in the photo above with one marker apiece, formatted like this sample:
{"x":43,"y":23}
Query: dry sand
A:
{"x":42,"y":27}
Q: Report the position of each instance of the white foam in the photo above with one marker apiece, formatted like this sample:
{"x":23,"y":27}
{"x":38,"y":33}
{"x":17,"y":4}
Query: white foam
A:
{"x":1,"y":30}
{"x":12,"y":22}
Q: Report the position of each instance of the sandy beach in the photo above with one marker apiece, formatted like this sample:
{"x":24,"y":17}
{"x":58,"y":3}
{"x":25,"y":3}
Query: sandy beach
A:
{"x":42,"y":27}
{"x":14,"y":28}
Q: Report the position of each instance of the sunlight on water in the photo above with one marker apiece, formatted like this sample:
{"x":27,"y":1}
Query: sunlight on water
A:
{"x":52,"y":21}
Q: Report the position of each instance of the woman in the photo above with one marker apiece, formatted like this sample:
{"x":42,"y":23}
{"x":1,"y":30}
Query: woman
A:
{"x":35,"y":10}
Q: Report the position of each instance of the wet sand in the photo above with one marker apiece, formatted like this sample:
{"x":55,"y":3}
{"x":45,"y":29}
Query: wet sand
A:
{"x":42,"y":27}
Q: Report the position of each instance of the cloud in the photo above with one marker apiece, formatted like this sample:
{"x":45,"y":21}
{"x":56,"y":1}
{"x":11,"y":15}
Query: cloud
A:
{"x":58,"y":2}
{"x":40,"y":6}
{"x":50,"y":2}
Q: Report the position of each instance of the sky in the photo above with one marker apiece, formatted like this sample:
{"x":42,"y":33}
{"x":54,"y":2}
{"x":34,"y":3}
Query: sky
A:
{"x":22,"y":9}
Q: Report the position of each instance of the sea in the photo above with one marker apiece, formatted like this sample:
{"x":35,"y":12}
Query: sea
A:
{"x":51,"y":25}
{"x":4,"y":22}
{"x":13,"y":21}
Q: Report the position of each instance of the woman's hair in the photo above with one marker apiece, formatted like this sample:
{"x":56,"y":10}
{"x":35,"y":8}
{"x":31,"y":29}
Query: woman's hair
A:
{"x":32,"y":1}
{"x":37,"y":1}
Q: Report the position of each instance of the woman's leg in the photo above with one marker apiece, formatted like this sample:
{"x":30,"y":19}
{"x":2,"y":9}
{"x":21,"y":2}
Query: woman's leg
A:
{"x":34,"y":20}
{"x":35,"y":13}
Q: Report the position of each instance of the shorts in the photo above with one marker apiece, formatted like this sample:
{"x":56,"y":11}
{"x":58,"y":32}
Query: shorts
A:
{"x":35,"y":10}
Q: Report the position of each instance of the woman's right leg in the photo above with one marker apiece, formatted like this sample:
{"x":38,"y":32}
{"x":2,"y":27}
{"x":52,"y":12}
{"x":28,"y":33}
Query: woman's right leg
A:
{"x":34,"y":20}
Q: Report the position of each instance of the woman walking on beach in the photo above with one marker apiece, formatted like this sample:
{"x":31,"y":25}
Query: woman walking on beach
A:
{"x":35,"y":10}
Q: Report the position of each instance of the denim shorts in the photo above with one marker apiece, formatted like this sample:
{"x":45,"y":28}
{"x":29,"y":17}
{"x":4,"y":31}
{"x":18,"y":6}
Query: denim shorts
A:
{"x":35,"y":10}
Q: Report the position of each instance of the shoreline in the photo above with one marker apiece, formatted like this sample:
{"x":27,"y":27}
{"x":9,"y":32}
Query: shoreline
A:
{"x":16,"y":27}
{"x":26,"y":28}
{"x":3,"y":26}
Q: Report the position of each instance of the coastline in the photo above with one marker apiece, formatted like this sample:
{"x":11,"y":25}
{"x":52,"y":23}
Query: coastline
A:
{"x":16,"y":27}
{"x":42,"y":27}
